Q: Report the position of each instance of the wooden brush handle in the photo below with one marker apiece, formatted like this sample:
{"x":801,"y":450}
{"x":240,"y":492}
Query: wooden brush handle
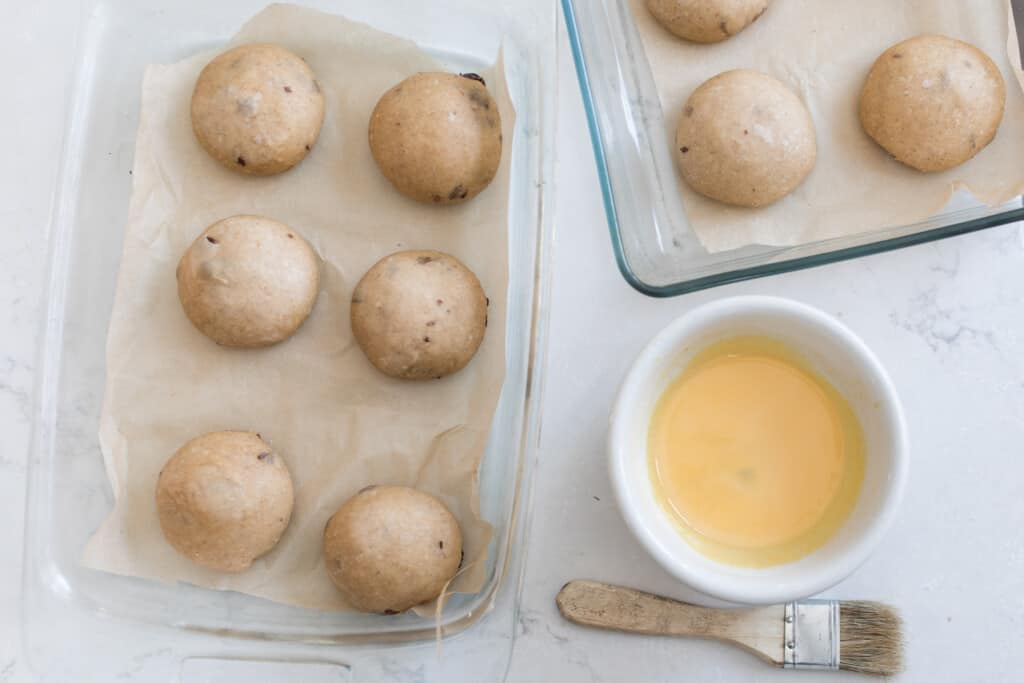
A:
{"x":591,"y":603}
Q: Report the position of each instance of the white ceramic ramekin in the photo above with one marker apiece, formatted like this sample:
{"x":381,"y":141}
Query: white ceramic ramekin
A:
{"x":843,"y":359}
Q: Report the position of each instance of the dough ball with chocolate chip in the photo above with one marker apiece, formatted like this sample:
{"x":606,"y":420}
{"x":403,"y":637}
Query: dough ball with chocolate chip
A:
{"x":419,"y":314}
{"x":745,"y":139}
{"x":706,"y":21}
{"x":932,"y":102}
{"x":248,"y":281}
{"x":224,"y":499}
{"x":257,"y":109}
{"x":437,"y":137}
{"x":389,"y":548}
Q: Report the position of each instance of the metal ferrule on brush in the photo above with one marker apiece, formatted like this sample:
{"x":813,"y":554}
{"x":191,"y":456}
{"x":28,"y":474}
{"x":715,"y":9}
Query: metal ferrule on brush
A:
{"x":811,"y":635}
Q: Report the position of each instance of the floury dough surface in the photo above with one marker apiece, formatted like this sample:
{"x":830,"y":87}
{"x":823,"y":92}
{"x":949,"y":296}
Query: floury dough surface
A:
{"x":419,"y":315}
{"x":745,"y":139}
{"x":391,"y":548}
{"x":224,"y":499}
{"x":314,"y":398}
{"x":437,"y":137}
{"x":248,"y":281}
{"x":855,"y":186}
{"x":706,"y":21}
{"x":933,"y":102}
{"x":257,"y":109}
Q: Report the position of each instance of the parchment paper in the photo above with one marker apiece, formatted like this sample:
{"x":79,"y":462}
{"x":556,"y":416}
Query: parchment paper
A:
{"x":339,"y":424}
{"x":823,"y":51}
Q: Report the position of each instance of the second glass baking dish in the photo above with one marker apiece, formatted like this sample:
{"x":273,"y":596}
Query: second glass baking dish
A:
{"x":656,"y":250}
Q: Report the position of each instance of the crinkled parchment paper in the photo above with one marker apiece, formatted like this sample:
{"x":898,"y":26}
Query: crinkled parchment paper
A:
{"x":339,"y":423}
{"x":823,"y":51}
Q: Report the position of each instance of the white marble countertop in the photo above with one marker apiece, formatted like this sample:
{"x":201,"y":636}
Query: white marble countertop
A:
{"x":947,"y":320}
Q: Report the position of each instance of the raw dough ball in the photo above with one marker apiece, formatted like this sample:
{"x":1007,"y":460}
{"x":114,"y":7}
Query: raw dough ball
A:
{"x":389,"y":548}
{"x":257,"y":109}
{"x":745,"y":139}
{"x":419,"y":314}
{"x":437,"y":137}
{"x":706,"y":21}
{"x":248,"y":281}
{"x":224,"y":499}
{"x":932,"y":102}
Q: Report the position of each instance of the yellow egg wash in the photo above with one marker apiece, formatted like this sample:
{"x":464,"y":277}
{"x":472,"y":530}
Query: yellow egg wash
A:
{"x":756,"y":457}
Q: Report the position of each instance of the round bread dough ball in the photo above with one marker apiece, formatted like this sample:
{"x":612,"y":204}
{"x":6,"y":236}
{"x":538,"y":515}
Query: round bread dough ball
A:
{"x":706,"y":21}
{"x":419,"y":314}
{"x":257,"y":109}
{"x":224,"y":499}
{"x":745,"y":139}
{"x":389,"y":548}
{"x":437,"y":137}
{"x":248,"y":281}
{"x":932,"y":102}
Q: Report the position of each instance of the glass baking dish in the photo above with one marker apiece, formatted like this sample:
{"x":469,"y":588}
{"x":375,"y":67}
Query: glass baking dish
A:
{"x":656,"y":250}
{"x":68,"y":491}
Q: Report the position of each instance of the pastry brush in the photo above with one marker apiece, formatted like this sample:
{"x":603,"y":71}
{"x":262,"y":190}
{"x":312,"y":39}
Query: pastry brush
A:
{"x":810,"y":634}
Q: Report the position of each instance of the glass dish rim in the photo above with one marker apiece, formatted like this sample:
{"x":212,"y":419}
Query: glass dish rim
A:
{"x":968,"y":225}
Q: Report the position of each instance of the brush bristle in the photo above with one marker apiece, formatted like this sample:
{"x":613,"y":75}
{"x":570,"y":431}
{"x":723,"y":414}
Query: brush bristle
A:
{"x":870,"y":638}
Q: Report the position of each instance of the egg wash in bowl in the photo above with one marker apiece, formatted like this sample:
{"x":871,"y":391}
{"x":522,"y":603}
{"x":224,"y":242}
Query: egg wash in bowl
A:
{"x":756,"y":458}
